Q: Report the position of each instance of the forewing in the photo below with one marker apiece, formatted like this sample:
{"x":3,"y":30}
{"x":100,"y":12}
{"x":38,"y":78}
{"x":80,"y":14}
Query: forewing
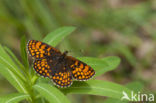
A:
{"x":80,"y":71}
{"x":40,"y":50}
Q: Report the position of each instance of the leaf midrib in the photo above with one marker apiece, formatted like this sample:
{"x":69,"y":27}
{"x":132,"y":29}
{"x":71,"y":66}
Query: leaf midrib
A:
{"x":11,"y":99}
{"x":10,"y":65}
{"x":17,"y":81}
{"x":96,"y":88}
{"x":49,"y":93}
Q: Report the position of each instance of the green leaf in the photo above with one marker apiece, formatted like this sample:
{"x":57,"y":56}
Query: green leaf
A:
{"x":97,"y":87}
{"x":52,"y":94}
{"x":14,"y":57}
{"x":13,"y":79}
{"x":23,"y":52}
{"x":134,"y":86}
{"x":112,"y":100}
{"x":13,"y":98}
{"x":101,"y":65}
{"x":56,"y":36}
{"x":9,"y":63}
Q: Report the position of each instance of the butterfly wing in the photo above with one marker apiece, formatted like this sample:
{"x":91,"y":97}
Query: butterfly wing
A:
{"x":40,"y":50}
{"x":80,"y":71}
{"x":42,"y":67}
{"x":61,"y":76}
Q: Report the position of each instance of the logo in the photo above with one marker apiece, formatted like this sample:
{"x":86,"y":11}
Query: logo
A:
{"x":138,"y":97}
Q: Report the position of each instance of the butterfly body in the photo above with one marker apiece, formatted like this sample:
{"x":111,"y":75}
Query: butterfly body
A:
{"x":62,"y":69}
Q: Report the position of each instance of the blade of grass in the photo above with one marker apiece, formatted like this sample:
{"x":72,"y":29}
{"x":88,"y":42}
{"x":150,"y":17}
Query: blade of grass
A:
{"x":52,"y":94}
{"x":13,"y":98}
{"x":101,"y":65}
{"x":56,"y":36}
{"x":13,"y":79}
{"x":97,"y":87}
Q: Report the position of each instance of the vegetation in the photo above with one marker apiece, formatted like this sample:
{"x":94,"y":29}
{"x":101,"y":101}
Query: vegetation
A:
{"x":103,"y":33}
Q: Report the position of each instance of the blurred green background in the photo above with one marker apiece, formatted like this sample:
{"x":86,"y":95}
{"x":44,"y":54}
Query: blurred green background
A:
{"x":124,"y":28}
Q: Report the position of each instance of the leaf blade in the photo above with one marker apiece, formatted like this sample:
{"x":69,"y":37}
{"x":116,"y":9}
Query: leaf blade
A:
{"x":13,"y":98}
{"x":13,"y":79}
{"x":14,"y":57}
{"x":56,"y":36}
{"x":52,"y":94}
{"x":97,"y":87}
{"x":135,"y":86}
{"x":7,"y":61}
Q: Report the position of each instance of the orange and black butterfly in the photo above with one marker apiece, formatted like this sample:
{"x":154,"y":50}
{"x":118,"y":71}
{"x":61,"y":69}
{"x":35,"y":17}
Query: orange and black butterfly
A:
{"x":62,"y":69}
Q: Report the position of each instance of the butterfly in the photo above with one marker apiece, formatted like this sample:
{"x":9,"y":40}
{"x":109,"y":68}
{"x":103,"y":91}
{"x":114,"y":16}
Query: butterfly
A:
{"x":60,"y":68}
